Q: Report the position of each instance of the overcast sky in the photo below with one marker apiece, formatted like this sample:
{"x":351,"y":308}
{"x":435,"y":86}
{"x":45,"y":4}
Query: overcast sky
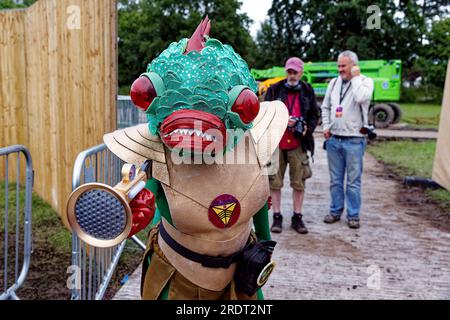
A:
{"x":257,"y":11}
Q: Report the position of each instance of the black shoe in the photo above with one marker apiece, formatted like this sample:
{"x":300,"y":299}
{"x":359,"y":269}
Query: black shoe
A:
{"x":298,"y":225}
{"x":277,"y":223}
{"x":353,"y":224}
{"x":329,"y":218}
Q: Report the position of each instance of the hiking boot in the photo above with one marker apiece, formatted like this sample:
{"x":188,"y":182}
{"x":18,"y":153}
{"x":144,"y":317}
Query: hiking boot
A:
{"x":353,"y":224}
{"x":298,"y":225}
{"x":277,"y":223}
{"x":329,"y":218}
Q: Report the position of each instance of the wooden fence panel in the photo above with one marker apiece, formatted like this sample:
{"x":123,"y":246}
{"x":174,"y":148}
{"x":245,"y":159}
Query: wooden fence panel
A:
{"x":58,"y":85}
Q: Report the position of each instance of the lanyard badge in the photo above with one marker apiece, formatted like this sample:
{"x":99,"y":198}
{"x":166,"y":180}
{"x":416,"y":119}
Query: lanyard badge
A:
{"x":339,"y":111}
{"x":339,"y":108}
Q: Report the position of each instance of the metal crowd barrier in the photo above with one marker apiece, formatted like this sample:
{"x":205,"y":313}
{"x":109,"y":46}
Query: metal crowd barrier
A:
{"x":15,"y":214}
{"x":95,"y":266}
{"x":128,"y":114}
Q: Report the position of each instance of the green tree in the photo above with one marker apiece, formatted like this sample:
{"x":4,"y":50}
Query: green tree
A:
{"x":268,"y":48}
{"x":147,"y":27}
{"x":319,"y":30}
{"x":437,"y":52}
{"x":281,"y":35}
{"x":10,"y":4}
{"x":431,"y":64}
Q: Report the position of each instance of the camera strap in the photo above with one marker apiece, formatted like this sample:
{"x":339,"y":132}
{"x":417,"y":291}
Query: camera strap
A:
{"x":370,"y":123}
{"x":332,"y":89}
{"x":291,"y":106}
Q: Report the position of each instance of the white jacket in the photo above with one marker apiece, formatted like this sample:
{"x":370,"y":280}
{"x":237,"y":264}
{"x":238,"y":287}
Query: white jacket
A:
{"x":355,"y":107}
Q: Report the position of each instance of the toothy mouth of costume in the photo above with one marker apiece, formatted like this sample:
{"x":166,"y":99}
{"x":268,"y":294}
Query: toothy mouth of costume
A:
{"x":193,"y":131}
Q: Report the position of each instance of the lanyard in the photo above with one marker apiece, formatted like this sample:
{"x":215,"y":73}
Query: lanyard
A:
{"x":341,"y":97}
{"x":291,"y":107}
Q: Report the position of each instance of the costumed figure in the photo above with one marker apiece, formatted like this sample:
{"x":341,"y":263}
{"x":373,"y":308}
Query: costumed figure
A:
{"x":204,"y":158}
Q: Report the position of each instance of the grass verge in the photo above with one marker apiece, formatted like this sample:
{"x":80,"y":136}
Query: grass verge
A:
{"x":411,"y":158}
{"x":51,"y":250}
{"x":421,"y":116}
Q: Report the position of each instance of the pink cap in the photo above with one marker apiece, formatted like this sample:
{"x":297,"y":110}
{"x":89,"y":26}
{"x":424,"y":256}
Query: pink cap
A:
{"x":295,"y":64}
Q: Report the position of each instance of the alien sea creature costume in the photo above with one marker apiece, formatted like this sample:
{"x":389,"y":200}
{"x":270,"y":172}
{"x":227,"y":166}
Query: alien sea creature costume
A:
{"x":200,"y":100}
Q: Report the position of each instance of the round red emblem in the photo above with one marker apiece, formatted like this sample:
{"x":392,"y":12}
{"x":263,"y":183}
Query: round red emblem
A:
{"x":224,"y":211}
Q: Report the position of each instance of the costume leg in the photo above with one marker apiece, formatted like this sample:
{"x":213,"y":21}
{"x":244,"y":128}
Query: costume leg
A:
{"x":260,"y":295}
{"x":261,"y":223}
{"x":165,"y":293}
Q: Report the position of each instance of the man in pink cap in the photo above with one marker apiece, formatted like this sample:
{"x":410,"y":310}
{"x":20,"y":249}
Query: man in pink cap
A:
{"x":300,"y":100}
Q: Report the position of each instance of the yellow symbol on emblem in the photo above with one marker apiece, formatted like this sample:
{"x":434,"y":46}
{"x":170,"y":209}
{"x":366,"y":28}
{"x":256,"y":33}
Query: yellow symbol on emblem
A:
{"x":225,"y":212}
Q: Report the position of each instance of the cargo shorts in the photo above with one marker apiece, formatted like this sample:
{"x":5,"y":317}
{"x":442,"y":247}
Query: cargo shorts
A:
{"x":299,"y":169}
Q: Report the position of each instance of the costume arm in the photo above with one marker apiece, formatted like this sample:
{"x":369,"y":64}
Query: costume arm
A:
{"x":153,"y":185}
{"x":162,"y":207}
{"x":261,"y":223}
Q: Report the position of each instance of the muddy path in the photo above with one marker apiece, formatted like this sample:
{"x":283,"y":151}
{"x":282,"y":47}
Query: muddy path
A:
{"x":402,"y":250}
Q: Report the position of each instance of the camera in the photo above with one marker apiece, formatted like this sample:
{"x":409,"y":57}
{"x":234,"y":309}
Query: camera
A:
{"x":369,"y":131}
{"x":299,"y":126}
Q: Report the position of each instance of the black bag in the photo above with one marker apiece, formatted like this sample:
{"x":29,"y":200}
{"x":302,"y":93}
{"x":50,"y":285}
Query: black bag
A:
{"x":254,"y":267}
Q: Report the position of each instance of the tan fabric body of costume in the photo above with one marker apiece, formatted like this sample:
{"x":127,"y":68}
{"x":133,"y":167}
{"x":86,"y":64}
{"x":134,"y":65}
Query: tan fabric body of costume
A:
{"x":190,"y":189}
{"x":189,"y":202}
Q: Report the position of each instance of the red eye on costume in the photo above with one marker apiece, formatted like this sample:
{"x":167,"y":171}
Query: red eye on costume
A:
{"x":246,"y":106}
{"x":143,"y":92}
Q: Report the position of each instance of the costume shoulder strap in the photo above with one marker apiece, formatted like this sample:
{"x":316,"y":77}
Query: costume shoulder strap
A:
{"x":268,"y":128}
{"x":136,"y":145}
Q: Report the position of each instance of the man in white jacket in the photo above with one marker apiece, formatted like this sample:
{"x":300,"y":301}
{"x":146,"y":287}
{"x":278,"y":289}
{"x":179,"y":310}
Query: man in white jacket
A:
{"x":345,"y":112}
